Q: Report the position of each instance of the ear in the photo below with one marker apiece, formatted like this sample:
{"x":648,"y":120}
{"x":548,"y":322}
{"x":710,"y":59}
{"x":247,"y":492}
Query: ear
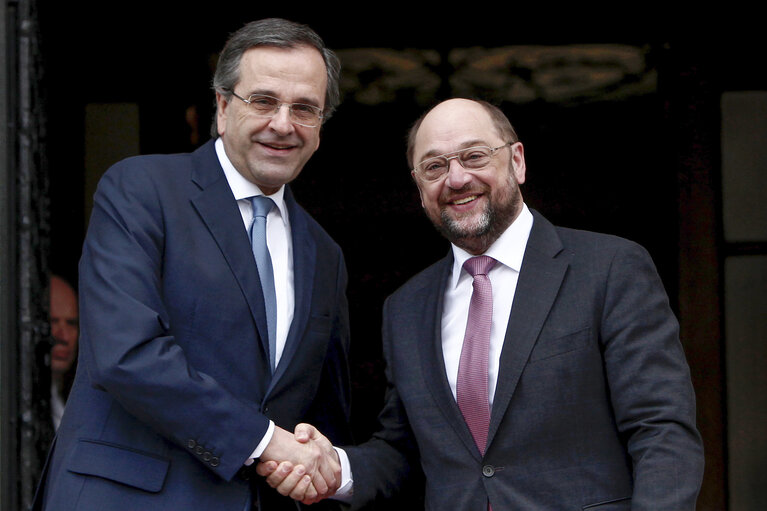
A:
{"x":221,"y":103}
{"x":518,"y":162}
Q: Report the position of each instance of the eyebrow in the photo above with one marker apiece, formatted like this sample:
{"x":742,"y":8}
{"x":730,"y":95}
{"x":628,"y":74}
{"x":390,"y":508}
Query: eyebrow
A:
{"x":465,"y":145}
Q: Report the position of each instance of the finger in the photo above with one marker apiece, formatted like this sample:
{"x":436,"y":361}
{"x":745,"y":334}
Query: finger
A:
{"x":330,"y":470}
{"x":319,"y":483}
{"x":304,"y":489}
{"x":314,"y":500}
{"x":265,"y":468}
{"x":311,"y":494}
{"x":279,"y":475}
{"x":293,"y":484}
{"x":309,"y":502}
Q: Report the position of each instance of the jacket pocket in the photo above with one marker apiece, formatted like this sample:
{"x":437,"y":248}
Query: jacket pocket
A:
{"x":623,"y":504}
{"x":141,"y":470}
{"x":547,"y":348}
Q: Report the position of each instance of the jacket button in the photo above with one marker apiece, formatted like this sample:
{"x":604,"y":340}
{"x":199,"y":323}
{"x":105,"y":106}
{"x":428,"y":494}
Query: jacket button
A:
{"x":215,"y":461}
{"x":207,"y":456}
{"x":191,"y":443}
{"x":488,"y":471}
{"x":199,"y":450}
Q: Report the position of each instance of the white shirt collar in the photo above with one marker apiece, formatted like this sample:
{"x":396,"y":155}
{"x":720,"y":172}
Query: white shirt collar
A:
{"x":508,"y":249}
{"x":244,"y":189}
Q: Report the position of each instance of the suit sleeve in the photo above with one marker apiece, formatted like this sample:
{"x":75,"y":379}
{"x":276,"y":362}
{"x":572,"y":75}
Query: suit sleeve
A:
{"x":383,"y":466}
{"x":126,"y":343}
{"x":650,"y":386}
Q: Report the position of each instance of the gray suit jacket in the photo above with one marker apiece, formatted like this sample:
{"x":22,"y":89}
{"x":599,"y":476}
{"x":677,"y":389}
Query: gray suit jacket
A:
{"x":594,"y":408}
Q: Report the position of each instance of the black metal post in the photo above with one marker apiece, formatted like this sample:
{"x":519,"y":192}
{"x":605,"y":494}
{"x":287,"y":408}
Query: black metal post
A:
{"x":24,"y":232}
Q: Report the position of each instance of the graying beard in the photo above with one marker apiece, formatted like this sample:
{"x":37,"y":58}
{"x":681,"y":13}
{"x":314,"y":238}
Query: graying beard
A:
{"x":451,"y":229}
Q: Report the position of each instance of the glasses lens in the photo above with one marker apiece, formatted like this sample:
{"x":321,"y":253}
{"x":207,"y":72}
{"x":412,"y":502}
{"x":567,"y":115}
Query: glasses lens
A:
{"x":475,"y":157}
{"x":433,"y":168}
{"x":307,"y":115}
{"x":264,"y":105}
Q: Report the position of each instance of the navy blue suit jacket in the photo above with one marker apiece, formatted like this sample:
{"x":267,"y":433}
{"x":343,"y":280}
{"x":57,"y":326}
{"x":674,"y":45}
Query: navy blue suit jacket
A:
{"x":593,"y":409}
{"x":173,"y":388}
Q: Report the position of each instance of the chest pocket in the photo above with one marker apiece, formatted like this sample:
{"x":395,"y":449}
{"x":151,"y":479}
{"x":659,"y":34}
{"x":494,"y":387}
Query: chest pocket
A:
{"x":548,"y":347}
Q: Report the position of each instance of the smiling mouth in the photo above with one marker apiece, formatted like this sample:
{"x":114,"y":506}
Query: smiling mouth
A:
{"x":277,"y":147}
{"x":465,"y":200}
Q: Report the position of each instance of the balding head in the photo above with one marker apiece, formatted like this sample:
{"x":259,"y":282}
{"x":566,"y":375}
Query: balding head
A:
{"x":500,"y":122}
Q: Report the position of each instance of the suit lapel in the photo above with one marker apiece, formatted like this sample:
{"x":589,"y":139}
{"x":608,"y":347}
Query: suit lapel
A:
{"x":540,"y":278}
{"x":304,"y":265}
{"x":218,"y":209}
{"x":432,"y":359}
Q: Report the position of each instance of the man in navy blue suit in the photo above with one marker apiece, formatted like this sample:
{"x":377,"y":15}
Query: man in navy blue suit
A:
{"x":190,"y":370}
{"x":564,"y":386}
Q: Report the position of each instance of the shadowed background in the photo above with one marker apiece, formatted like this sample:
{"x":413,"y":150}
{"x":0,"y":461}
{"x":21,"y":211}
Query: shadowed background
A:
{"x":620,"y":117}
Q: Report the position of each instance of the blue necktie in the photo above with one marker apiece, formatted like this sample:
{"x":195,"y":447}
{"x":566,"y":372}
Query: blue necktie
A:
{"x":261,"y":207}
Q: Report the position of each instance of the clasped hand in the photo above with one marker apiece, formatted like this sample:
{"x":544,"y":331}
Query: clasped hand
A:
{"x":303,"y":465}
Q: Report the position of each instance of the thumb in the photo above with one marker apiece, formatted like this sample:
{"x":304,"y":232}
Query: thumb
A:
{"x":305,"y":432}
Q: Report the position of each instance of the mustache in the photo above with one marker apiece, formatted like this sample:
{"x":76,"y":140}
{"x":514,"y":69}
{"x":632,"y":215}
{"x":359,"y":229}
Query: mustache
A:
{"x":448,"y":195}
{"x":55,"y":342}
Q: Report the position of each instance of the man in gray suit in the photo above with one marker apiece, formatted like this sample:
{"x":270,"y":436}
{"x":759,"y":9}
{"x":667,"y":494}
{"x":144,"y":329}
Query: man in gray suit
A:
{"x":551,"y":378}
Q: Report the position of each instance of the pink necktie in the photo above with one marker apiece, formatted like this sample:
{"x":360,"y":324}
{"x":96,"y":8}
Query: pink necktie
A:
{"x":471,"y":386}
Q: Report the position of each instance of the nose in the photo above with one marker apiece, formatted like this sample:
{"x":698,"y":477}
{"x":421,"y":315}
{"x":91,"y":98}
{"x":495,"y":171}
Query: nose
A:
{"x":281,"y":122}
{"x":64,"y":332}
{"x":457,"y":177}
{"x":57,"y":329}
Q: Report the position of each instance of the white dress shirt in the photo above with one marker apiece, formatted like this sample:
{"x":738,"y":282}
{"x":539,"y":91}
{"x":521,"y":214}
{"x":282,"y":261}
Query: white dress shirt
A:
{"x":279,"y":242}
{"x":508,"y":250}
{"x":57,"y":406}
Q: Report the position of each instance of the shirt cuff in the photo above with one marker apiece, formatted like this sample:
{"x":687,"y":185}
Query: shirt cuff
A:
{"x":261,"y":447}
{"x":346,"y":490}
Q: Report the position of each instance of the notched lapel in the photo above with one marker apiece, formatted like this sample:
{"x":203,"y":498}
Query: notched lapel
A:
{"x":304,"y":265}
{"x":216,"y":206}
{"x":543,"y":269}
{"x":432,"y":358}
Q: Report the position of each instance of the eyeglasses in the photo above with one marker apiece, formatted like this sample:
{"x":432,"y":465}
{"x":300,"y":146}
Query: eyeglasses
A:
{"x":471,"y":158}
{"x":267,"y":106}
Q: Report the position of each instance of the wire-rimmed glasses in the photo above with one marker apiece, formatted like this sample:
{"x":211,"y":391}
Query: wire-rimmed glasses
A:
{"x":471,"y":158}
{"x":302,"y":114}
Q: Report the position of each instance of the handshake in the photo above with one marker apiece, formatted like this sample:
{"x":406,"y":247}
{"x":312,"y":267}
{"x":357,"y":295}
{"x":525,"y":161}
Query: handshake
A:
{"x":303,"y":466}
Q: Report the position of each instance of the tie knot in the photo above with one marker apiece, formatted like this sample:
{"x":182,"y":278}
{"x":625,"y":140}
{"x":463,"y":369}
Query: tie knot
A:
{"x":479,"y":265}
{"x":262,"y":205}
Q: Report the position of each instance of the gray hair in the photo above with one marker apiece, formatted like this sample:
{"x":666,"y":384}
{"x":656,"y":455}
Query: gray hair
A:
{"x":499,"y":119}
{"x":278,"y":33}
